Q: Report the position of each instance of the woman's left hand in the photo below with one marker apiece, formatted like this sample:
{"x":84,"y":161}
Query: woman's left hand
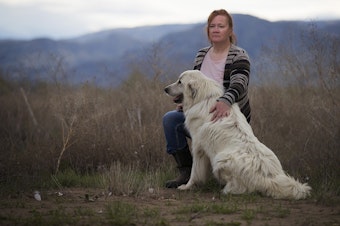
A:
{"x":220,"y":110}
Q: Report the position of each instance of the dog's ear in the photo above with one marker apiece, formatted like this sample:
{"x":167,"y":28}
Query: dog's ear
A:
{"x":192,"y":85}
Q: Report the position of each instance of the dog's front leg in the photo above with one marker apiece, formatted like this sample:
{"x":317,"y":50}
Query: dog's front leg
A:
{"x":200,"y":165}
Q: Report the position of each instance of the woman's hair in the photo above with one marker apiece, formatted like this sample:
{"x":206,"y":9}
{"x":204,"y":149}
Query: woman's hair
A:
{"x":222,"y":12}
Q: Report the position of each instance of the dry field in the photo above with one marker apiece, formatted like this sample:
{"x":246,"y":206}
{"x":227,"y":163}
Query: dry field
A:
{"x":81,"y":206}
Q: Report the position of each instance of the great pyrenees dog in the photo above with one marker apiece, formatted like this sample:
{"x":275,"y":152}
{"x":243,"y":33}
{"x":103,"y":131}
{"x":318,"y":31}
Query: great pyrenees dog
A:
{"x":228,"y":147}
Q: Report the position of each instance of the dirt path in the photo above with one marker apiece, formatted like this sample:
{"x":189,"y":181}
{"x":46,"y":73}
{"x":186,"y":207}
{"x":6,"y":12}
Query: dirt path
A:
{"x":161,"y":207}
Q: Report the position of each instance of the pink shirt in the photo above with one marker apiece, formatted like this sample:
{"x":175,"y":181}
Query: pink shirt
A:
{"x":213,"y":69}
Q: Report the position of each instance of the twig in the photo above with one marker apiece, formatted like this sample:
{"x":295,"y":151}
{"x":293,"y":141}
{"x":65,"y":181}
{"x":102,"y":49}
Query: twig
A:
{"x":28,"y":106}
{"x":66,"y":142}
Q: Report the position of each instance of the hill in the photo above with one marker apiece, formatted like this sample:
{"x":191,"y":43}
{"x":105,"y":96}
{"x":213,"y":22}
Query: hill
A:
{"x":107,"y":57}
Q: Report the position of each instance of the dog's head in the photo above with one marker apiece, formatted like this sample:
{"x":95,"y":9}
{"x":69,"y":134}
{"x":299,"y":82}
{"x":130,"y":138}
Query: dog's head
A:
{"x":192,"y":87}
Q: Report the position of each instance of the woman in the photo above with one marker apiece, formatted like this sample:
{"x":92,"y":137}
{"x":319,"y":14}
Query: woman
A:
{"x":224,"y":62}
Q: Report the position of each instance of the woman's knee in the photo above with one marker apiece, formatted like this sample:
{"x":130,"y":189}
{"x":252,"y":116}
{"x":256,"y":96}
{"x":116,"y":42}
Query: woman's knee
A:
{"x":172,"y":118}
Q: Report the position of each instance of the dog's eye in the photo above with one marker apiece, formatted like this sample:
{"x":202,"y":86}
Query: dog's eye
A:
{"x":179,"y":82}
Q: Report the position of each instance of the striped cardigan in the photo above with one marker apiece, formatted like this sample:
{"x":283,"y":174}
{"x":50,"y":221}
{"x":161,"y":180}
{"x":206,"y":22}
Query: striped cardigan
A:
{"x":236,"y":77}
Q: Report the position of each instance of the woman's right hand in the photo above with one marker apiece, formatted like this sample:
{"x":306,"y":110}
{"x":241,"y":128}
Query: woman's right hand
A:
{"x":179,"y":107}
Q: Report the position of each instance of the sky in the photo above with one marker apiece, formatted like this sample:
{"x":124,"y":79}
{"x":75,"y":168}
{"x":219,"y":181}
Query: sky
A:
{"x":60,"y":19}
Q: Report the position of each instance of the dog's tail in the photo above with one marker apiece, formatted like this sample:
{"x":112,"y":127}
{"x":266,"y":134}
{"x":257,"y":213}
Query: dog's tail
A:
{"x":283,"y":186}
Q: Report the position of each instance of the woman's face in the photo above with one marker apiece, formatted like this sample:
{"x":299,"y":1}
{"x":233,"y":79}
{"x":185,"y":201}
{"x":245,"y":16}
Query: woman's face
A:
{"x":219,"y":30}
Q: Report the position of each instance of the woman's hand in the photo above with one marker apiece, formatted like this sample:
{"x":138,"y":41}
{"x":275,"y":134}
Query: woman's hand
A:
{"x":179,"y":107}
{"x":220,"y":110}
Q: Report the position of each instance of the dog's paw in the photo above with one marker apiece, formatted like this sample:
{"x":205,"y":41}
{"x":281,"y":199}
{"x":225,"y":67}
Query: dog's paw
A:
{"x":183,"y":187}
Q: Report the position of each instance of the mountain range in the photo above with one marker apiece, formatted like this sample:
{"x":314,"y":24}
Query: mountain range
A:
{"x":108,"y":57}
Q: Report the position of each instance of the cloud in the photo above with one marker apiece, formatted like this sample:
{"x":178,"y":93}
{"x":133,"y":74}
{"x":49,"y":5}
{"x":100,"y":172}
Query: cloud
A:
{"x":31,"y":21}
{"x":65,"y":18}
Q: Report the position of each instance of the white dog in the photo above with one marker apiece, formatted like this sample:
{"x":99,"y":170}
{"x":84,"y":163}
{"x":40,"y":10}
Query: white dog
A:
{"x":228,"y":147}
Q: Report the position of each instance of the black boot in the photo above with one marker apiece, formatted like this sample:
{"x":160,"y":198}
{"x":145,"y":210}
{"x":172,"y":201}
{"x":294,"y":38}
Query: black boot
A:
{"x":184,"y":162}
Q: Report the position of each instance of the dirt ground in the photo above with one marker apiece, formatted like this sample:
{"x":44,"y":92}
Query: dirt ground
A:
{"x":81,"y":206}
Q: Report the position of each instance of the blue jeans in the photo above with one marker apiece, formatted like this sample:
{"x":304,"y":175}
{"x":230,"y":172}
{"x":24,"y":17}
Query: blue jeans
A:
{"x":175,"y":132}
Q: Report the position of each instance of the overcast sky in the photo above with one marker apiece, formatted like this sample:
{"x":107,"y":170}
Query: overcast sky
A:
{"x":70,"y":18}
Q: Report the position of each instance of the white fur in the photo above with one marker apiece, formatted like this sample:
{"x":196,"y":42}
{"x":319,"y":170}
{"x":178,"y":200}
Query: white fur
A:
{"x":229,"y":147}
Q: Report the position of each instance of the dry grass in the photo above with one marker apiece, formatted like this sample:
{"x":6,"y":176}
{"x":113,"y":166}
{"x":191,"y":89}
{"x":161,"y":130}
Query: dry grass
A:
{"x":296,"y":109}
{"x":84,"y":128}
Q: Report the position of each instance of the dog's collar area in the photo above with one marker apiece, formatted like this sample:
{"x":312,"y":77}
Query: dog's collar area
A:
{"x":178,"y":99}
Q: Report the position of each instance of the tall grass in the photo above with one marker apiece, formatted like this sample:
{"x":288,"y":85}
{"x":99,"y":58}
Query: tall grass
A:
{"x":296,"y":108}
{"x":85,"y":128}
{"x":51,"y":127}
